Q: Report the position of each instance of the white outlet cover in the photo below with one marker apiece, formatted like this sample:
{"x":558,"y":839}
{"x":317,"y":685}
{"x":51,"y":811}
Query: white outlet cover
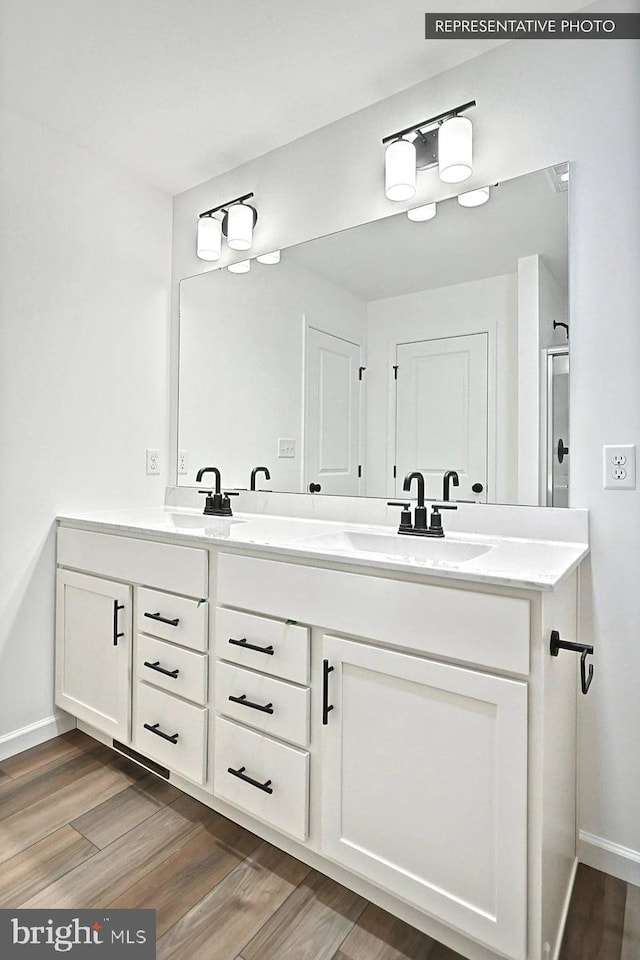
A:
{"x":183,"y":462}
{"x":286,"y":448}
{"x":153,"y":463}
{"x":619,"y":466}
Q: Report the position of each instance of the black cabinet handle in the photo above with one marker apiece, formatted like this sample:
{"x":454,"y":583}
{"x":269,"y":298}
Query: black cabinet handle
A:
{"x":314,"y":488}
{"x":326,"y":706}
{"x":156,"y":616}
{"x":116,"y":636}
{"x":156,"y":666}
{"x":242,"y":700}
{"x":251,"y":646}
{"x":155,"y":728}
{"x":477,"y":488}
{"x":241,"y":775}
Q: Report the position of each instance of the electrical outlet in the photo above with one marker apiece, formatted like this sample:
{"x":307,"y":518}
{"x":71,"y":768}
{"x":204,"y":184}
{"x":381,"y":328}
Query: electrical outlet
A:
{"x":286,"y":448}
{"x":153,"y":462}
{"x":183,"y":461}
{"x":619,"y":467}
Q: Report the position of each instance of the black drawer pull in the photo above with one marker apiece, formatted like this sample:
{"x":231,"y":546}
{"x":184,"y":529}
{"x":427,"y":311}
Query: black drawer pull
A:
{"x":116,"y":636}
{"x":156,"y":666}
{"x":241,"y":775}
{"x":326,"y":706}
{"x":242,"y":700}
{"x":155,"y":728}
{"x":156,"y":616}
{"x":251,"y":646}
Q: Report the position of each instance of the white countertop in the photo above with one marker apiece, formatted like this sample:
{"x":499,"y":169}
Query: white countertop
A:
{"x":506,"y":561}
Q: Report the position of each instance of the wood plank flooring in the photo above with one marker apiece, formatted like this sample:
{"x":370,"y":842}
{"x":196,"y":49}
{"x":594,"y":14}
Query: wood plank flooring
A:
{"x":81,"y":826}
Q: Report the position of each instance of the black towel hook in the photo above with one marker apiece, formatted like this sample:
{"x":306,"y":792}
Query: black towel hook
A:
{"x":585,"y":649}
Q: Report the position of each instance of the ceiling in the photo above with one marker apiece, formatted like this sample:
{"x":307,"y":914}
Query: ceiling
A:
{"x":394,"y":256}
{"x":178,"y":91}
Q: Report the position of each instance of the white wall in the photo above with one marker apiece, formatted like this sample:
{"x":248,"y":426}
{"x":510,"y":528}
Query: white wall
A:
{"x":480,"y":306}
{"x":84,"y":254}
{"x":241,"y":366}
{"x":538,"y":103}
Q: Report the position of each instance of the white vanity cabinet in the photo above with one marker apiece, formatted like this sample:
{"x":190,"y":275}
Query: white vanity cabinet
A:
{"x":424,"y":785}
{"x":93,"y":651}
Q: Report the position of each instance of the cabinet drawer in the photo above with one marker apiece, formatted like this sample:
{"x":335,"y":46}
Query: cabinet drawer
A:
{"x":162,"y":565}
{"x":189,"y":669}
{"x":273,"y":706}
{"x":187,"y":755}
{"x":283,"y":770}
{"x":452,"y":622}
{"x":283,"y":649}
{"x":178,"y":619}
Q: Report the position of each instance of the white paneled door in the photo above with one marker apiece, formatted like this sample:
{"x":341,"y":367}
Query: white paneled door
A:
{"x":424,"y":786}
{"x":442,"y":413}
{"x":332,"y":414}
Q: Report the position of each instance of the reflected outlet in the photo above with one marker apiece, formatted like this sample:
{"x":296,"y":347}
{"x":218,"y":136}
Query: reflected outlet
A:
{"x":286,"y":448}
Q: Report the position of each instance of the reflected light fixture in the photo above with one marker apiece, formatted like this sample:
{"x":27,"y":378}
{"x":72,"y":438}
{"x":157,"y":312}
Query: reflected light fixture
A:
{"x":400,"y":170}
{"x":240,"y":266}
{"x":238,"y":220}
{"x":419,"y":214}
{"x":445,"y":140}
{"x":209,"y":238}
{"x":474,"y":198}
{"x":273,"y":257}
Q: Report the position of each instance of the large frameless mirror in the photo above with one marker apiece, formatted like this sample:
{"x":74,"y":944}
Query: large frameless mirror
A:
{"x":391,"y":347}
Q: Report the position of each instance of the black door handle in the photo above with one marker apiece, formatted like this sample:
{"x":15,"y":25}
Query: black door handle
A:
{"x":477,"y":488}
{"x":326,"y":706}
{"x":116,"y":636}
{"x":156,"y":616}
{"x":562,"y":451}
{"x":155,"y":728}
{"x":242,"y":700}
{"x":156,"y":666}
{"x":314,"y":488}
{"x":251,"y":646}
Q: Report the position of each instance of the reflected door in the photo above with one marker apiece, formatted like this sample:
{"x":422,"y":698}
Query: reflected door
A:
{"x":441,"y":414}
{"x":558,"y":428}
{"x":332,"y":414}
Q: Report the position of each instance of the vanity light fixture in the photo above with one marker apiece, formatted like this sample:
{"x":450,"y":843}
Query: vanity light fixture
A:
{"x":273,"y":257}
{"x":240,"y":266}
{"x":445,"y":140}
{"x":419,"y":214}
{"x":238,"y":220}
{"x":474,"y":198}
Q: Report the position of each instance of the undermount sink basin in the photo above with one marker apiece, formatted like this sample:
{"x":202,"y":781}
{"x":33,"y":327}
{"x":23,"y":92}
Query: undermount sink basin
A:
{"x":198,"y":521}
{"x":399,"y":546}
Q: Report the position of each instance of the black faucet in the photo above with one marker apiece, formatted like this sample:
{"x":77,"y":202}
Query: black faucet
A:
{"x":419,"y":527}
{"x":216,"y":504}
{"x":254,"y":472}
{"x":452,"y":476}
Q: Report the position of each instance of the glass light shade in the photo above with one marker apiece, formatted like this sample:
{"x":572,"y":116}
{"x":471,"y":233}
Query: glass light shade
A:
{"x":209,"y":238}
{"x":455,"y":150}
{"x":419,"y":214}
{"x":241,"y":266}
{"x":400,"y":170}
{"x":240,"y":226}
{"x":474,"y":198}
{"x":273,"y":257}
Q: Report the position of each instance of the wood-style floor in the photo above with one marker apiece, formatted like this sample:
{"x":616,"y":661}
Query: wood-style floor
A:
{"x":81,"y":826}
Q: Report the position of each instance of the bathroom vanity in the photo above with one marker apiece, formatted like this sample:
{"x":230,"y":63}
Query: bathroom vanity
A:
{"x":385,"y":709}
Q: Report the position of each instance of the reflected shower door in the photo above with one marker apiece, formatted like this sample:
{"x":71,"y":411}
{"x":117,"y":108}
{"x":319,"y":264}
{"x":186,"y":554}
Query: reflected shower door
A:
{"x":558,"y":427}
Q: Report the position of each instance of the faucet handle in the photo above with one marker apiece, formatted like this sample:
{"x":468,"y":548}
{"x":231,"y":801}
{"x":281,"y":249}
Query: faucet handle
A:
{"x":405,"y":516}
{"x":445,"y":506}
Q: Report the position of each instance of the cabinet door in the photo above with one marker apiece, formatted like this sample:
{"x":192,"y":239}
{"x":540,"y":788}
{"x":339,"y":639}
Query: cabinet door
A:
{"x":93,"y":651}
{"x":424,"y":786}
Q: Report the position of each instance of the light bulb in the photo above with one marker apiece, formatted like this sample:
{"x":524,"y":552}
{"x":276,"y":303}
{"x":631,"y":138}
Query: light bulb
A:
{"x":474,"y":198}
{"x":240,"y":266}
{"x":239,"y":226}
{"x":455,"y":150}
{"x":419,"y":214}
{"x":400,"y":170}
{"x":209,"y":238}
{"x":273,"y":257}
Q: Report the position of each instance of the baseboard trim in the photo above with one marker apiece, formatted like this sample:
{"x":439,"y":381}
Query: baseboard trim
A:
{"x":35,"y":733}
{"x":619,"y":861}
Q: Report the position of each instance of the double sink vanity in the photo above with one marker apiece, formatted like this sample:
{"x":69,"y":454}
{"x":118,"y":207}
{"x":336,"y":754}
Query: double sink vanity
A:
{"x":384,"y":708}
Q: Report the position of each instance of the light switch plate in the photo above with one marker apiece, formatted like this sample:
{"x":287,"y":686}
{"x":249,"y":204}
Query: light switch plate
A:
{"x":286,"y":448}
{"x":619,"y":466}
